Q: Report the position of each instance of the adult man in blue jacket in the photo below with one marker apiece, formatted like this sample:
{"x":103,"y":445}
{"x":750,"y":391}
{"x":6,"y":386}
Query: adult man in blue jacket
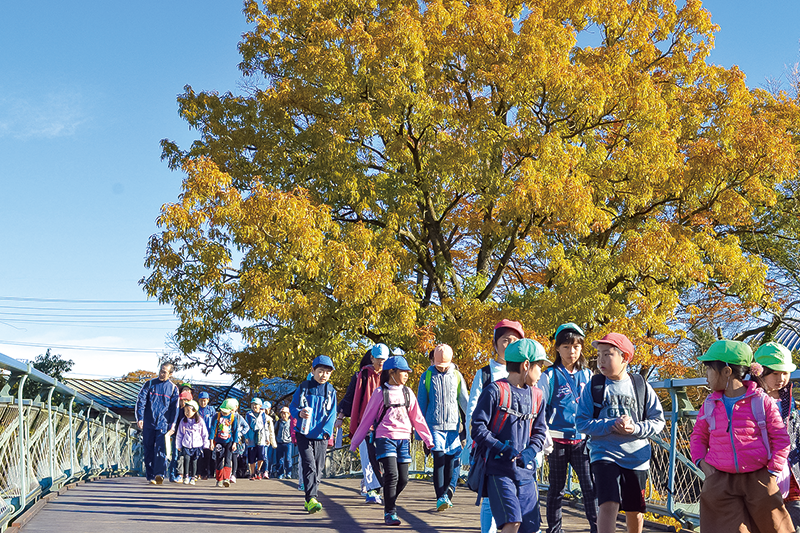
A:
{"x":156,"y":412}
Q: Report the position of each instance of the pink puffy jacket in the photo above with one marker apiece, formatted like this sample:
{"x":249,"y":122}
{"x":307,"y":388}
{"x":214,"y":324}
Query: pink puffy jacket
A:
{"x":742,"y":449}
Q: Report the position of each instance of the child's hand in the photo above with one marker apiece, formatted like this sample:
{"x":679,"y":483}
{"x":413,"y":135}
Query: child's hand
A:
{"x":707,"y":468}
{"x":234,"y":446}
{"x":624,"y":425}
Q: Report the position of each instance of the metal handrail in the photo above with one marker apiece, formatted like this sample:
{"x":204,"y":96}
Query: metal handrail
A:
{"x":44,"y":460}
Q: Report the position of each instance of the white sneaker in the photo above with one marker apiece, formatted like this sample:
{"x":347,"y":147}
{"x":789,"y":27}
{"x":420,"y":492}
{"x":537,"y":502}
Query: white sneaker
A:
{"x":186,"y":480}
{"x":178,"y":479}
{"x":192,"y":482}
{"x":233,"y":479}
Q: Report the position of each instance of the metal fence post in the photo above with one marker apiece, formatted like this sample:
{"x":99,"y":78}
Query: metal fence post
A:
{"x":23,"y":475}
{"x":72,"y":454}
{"x":51,"y":440}
{"x":105,"y":443}
{"x":89,"y":434}
{"x":673,"y":451}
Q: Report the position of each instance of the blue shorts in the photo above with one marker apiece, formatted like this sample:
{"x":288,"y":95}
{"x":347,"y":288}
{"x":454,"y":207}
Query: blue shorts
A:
{"x":256,"y":453}
{"x":448,"y":442}
{"x":514,"y":501}
{"x":393,"y":448}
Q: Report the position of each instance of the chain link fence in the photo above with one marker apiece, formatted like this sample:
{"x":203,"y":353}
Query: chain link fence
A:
{"x":50,"y":435}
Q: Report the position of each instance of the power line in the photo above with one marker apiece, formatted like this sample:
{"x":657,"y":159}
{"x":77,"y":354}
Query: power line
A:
{"x":85,"y":348}
{"x":74,"y":315}
{"x":64,"y":300}
{"x":59,"y":321}
{"x":118,"y":310}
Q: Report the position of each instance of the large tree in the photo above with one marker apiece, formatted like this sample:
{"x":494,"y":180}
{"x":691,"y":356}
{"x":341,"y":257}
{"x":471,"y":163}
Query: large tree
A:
{"x":410,"y":172}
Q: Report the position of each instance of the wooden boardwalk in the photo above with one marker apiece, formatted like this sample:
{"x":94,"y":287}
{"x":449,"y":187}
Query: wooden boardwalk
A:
{"x":133,"y":506}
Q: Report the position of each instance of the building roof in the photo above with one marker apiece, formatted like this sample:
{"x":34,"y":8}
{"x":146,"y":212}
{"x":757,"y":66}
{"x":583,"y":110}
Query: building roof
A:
{"x":115,"y":394}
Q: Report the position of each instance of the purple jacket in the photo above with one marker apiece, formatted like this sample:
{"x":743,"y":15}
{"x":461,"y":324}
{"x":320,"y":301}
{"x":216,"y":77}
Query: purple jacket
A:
{"x":191,"y":434}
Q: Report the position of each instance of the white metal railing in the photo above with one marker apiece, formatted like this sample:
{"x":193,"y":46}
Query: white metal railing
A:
{"x":51,"y":435}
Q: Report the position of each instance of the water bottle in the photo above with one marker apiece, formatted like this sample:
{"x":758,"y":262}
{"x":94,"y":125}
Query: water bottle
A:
{"x":304,"y":424}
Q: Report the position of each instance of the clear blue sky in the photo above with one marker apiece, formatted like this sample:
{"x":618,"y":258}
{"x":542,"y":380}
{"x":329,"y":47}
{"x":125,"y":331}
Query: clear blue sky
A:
{"x":87,"y":91}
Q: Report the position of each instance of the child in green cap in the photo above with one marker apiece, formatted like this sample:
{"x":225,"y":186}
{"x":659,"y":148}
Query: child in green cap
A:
{"x":776,"y":359}
{"x":509,"y":429}
{"x":740,"y":459}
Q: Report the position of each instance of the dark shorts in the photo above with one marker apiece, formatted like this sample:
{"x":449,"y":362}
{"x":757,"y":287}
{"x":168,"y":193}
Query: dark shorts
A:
{"x":256,"y":453}
{"x":393,"y":448}
{"x":514,"y":501}
{"x":612,"y":483}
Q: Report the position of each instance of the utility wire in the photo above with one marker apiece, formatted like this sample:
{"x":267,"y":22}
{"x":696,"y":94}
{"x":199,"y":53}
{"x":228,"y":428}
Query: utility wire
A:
{"x":65,"y":300}
{"x":86,"y":348}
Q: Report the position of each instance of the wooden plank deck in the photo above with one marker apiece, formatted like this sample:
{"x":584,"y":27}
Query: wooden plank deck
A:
{"x":133,"y":506}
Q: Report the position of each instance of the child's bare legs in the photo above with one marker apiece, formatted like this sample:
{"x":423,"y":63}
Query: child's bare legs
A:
{"x":607,"y":519}
{"x":260,"y":464}
{"x":634,"y":521}
{"x":510,"y":527}
{"x":252,"y":470}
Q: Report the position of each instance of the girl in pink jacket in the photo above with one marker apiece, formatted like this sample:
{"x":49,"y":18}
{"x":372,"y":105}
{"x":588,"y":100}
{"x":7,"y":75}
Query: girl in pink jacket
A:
{"x":741,"y":444}
{"x":393,"y":411}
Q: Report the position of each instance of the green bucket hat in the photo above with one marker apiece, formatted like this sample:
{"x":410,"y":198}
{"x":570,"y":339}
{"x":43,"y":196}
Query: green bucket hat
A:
{"x":731,"y":352}
{"x":776,"y":357}
{"x":570,"y":326}
{"x":525,"y":350}
{"x":229,"y":405}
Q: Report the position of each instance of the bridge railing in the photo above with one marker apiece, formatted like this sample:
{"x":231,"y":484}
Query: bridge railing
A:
{"x":51,"y":435}
{"x":674,"y":483}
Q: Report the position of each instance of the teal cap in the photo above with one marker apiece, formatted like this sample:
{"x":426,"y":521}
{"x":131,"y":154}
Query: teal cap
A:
{"x":525,"y":350}
{"x":731,"y":352}
{"x":776,"y":357}
{"x":571,"y":326}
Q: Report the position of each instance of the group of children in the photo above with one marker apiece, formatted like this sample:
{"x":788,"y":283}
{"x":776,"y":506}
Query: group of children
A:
{"x":520,"y":405}
{"x":211,"y":443}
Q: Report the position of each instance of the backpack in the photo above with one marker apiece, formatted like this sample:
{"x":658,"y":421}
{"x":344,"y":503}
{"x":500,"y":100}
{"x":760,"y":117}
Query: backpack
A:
{"x":640,"y":393}
{"x":758,"y":405}
{"x":477,"y":468}
{"x":387,"y":403}
{"x":486,"y":376}
{"x":327,"y":407}
{"x":426,"y":378}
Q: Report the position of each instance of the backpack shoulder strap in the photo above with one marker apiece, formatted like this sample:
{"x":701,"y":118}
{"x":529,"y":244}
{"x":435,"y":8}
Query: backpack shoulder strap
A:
{"x":407,"y":398}
{"x":758,"y":404}
{"x":536,"y":405}
{"x":426,"y":377}
{"x":598,"y":385}
{"x":640,"y":393}
{"x":486,"y":375}
{"x":501,"y":414}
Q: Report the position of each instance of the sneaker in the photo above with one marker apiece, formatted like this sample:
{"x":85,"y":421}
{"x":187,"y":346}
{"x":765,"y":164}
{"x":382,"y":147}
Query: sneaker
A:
{"x":265,"y":476}
{"x":186,"y":480}
{"x":226,"y":483}
{"x":301,"y":487}
{"x":233,"y":479}
{"x":450,"y":494}
{"x":219,"y":483}
{"x":159,"y":480}
{"x":443,"y":503}
{"x":391,"y":519}
{"x":178,"y":479}
{"x":152,"y":481}
{"x":373,"y":497}
{"x":192,"y":481}
{"x":312,"y":506}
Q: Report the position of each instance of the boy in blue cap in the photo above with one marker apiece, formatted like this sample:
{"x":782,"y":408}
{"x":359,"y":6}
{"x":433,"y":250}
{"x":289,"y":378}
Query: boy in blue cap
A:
{"x":314,"y":406}
{"x":509,"y":429}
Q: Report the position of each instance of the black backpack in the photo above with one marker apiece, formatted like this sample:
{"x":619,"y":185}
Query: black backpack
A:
{"x":387,"y":404}
{"x":640,"y":393}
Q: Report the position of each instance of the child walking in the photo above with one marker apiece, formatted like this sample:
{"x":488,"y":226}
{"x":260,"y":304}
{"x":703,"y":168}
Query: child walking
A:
{"x":209,"y":415}
{"x":505,"y":332}
{"x":283,"y":441}
{"x":740,"y":460}
{"x":562,"y":385}
{"x":261,"y":435}
{"x":225,"y":438}
{"x":778,"y":367}
{"x":314,"y":406}
{"x":441,"y":392}
{"x":190,"y":440}
{"x":619,"y":411}
{"x":394,"y":413}
{"x":509,"y":430}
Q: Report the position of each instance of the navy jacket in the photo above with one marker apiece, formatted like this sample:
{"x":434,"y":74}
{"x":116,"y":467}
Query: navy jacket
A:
{"x":157,"y":404}
{"x":515,"y":431}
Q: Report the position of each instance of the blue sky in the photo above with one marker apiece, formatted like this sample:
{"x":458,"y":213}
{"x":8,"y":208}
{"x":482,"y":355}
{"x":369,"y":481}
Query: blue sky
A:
{"x":87,"y":91}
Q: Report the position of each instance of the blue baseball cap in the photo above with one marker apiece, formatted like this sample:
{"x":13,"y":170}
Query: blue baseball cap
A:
{"x":322,"y":360}
{"x":203,"y":395}
{"x":380,"y":351}
{"x":255,"y":401}
{"x":397,"y":362}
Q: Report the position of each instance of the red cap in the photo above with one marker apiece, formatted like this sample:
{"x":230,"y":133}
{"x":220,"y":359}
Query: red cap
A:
{"x":618,"y":340}
{"x":510,"y":324}
{"x":186,"y":395}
